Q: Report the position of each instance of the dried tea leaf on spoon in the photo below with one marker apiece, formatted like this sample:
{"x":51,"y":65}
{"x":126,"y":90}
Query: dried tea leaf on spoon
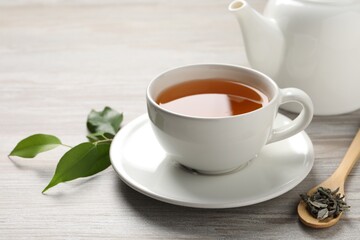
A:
{"x":325,"y":203}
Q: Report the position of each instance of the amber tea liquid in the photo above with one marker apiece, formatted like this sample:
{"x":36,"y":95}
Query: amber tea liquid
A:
{"x":211,"y":98}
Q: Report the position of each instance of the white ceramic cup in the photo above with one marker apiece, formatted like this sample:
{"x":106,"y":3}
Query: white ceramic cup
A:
{"x":216,"y":145}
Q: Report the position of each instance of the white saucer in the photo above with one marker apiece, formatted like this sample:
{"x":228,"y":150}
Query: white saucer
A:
{"x":143,"y":165}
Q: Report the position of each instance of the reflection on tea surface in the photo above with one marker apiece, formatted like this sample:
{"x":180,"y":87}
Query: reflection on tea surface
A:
{"x":211,"y":98}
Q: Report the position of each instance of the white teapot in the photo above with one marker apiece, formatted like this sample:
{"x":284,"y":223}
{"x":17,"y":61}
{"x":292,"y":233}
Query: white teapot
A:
{"x":313,"y":45}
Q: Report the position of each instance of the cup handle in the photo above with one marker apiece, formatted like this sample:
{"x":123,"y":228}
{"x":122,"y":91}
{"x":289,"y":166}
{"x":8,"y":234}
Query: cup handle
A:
{"x":301,"y":121}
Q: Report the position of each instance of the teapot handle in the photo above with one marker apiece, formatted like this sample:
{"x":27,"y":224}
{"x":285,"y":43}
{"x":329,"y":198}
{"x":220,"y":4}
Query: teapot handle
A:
{"x":301,"y":121}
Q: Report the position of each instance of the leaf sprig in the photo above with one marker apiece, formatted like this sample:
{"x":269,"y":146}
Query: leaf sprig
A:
{"x":83,"y":160}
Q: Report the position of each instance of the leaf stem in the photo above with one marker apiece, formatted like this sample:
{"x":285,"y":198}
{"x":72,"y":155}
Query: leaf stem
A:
{"x":102,"y":141}
{"x":66,"y":145}
{"x":103,"y":135}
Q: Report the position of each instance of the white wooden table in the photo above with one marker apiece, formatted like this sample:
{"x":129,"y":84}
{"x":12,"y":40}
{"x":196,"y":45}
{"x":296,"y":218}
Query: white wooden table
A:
{"x":59,"y":59}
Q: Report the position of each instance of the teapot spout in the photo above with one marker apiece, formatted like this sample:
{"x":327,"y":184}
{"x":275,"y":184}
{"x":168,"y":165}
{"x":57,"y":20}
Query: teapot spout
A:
{"x":263,"y":39}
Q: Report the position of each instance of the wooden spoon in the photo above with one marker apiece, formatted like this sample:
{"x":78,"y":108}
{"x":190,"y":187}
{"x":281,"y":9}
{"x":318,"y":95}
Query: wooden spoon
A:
{"x":336,"y":180}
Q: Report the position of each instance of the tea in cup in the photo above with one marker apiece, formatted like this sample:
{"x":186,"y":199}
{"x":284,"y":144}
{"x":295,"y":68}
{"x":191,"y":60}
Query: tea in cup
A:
{"x":215,"y":118}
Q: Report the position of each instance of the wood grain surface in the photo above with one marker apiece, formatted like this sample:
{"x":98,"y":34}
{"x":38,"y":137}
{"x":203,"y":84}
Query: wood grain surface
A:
{"x":61,"y":58}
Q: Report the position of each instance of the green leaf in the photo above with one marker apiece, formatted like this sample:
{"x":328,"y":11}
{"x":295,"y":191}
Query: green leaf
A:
{"x":106,"y":121}
{"x":35,"y":144}
{"x":83,"y":160}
